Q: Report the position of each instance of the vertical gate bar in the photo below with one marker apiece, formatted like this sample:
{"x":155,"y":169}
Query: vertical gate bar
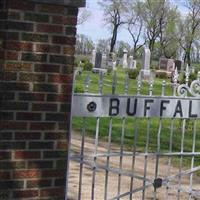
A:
{"x":121,"y":154}
{"x":157,"y":156}
{"x":133,"y":157}
{"x":147,"y":144}
{"x":95,"y":158}
{"x":146,"y":157}
{"x":82,"y":154}
{"x":181,"y":158}
{"x":96,"y":139}
{"x":192,"y":161}
{"x":114,"y":82}
{"x":108,"y":160}
{"x":126,"y":84}
{"x":170,"y":151}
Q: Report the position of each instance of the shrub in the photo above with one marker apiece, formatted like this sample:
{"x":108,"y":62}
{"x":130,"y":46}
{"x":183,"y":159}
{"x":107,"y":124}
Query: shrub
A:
{"x":109,"y":71}
{"x":181,"y":79}
{"x":85,"y":63}
{"x":133,"y":73}
{"x":161,"y":75}
{"x":138,"y":65}
{"x":78,"y":89}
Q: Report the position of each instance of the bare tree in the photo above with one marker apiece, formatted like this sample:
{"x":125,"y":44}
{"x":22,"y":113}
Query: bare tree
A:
{"x":135,"y":25}
{"x":190,"y":28}
{"x":113,"y":16}
{"x":83,"y":15}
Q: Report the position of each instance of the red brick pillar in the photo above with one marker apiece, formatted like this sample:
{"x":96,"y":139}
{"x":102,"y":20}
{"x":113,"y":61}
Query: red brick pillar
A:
{"x":37,"y":41}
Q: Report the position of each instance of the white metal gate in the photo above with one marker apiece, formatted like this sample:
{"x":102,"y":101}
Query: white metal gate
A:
{"x":149,"y":150}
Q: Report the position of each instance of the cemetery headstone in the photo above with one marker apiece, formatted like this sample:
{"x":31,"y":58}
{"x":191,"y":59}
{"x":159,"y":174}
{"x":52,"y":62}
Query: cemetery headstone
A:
{"x":98,"y":60}
{"x":104,"y":61}
{"x":130,"y":63}
{"x":166,"y":64}
{"x":93,"y":57}
{"x":145,"y":72}
{"x":125,"y":63}
{"x":179,"y":64}
{"x":134,"y":64}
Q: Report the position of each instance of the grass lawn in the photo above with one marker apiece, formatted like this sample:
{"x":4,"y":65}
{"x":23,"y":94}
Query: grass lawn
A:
{"x":136,"y":129}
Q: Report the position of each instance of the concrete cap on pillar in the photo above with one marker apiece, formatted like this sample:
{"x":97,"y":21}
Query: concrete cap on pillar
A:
{"x":73,"y":3}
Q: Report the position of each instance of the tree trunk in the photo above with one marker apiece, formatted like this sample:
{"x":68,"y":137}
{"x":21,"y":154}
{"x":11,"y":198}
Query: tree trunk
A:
{"x":113,"y":40}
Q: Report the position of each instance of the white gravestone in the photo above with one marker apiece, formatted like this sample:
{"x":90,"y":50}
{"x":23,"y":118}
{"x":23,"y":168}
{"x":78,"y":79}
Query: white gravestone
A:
{"x":145,"y":71}
{"x":134,"y":64}
{"x":125,"y":63}
{"x":104,"y":61}
{"x":130,"y":66}
{"x":93,"y":57}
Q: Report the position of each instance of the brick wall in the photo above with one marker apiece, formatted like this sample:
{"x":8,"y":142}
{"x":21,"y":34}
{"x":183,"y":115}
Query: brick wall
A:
{"x":36,"y":57}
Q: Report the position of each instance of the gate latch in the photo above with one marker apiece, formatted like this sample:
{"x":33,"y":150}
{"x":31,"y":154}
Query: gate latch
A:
{"x":92,"y":106}
{"x":157,"y":183}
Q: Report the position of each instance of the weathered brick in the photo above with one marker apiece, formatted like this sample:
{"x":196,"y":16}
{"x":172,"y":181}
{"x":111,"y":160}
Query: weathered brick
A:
{"x":42,"y":126}
{"x":34,"y":37}
{"x":12,"y":165}
{"x":17,"y":66}
{"x":32,"y":77}
{"x":6,"y":115}
{"x":34,"y":57}
{"x":69,"y":50}
{"x":15,"y":25}
{"x":36,"y":17}
{"x":60,"y":182}
{"x":8,"y":76}
{"x":59,"y":78}
{"x":5,"y":155}
{"x":9,"y":35}
{"x":42,"y":164}
{"x":5,"y":135}
{"x":44,"y":107}
{"x":22,"y":174}
{"x":41,"y":145}
{"x":13,"y":86}
{"x":23,"y":5}
{"x":27,"y":136}
{"x":53,"y":173}
{"x":47,"y":68}
{"x":39,"y":183}
{"x":12,"y":145}
{"x":72,"y":11}
{"x":58,"y":98}
{"x":27,"y":155}
{"x":67,"y":69}
{"x":55,"y":154}
{"x":6,"y":105}
{"x":66,"y":20}
{"x":4,"y":175}
{"x":61,"y":59}
{"x":46,"y":28}
{"x":31,"y":96}
{"x":5,"y":185}
{"x":56,"y":192}
{"x":28,"y":116}
{"x":66,"y":108}
{"x":56,"y":117}
{"x":70,"y":31}
{"x":6,"y":96}
{"x":48,"y":48}
{"x":66,"y":89}
{"x":55,"y":135}
{"x":25,"y":194}
{"x":62,"y":145}
{"x":64,"y":40}
{"x":45,"y":88}
{"x":13,"y":125}
{"x":19,"y":46}
{"x":51,"y":8}
{"x":11,"y":55}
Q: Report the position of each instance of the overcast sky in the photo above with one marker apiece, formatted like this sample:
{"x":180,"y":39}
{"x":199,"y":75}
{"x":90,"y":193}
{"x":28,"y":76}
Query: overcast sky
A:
{"x":95,"y":27}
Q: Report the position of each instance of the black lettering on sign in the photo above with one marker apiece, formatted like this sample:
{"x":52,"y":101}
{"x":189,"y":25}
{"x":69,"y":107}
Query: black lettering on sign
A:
{"x":190,"y":110}
{"x":146,"y":107}
{"x":162,"y":107}
{"x":178,"y":109}
{"x":114,"y":107}
{"x":128,"y":111}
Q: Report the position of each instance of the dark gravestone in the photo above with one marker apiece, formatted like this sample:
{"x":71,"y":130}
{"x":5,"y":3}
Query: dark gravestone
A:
{"x":163,"y":64}
{"x":178,"y":64}
{"x":98,"y":60}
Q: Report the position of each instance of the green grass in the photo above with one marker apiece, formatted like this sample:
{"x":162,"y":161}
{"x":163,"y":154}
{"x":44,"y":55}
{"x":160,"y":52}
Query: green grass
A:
{"x":132,"y":124}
